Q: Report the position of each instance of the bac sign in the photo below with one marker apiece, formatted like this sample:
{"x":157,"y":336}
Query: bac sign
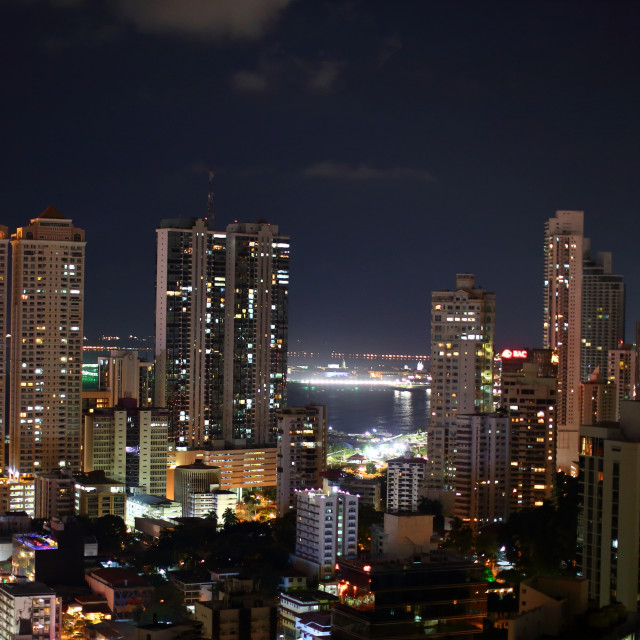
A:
{"x":514,"y":353}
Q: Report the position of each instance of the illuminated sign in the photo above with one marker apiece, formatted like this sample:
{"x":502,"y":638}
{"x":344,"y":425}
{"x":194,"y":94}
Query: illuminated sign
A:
{"x":514,"y":353}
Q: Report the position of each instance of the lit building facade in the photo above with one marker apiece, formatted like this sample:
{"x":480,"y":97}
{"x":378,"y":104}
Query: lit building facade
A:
{"x":46,"y":345}
{"x":562,"y":323}
{"x":481,"y":465}
{"x":29,"y":611}
{"x":194,"y":478}
{"x":621,"y":369}
{"x":415,"y":599}
{"x":18,"y":494}
{"x":54,"y":495}
{"x":603,"y":298}
{"x":96,"y":496}
{"x":609,"y":525}
{"x":302,"y":452}
{"x":124,"y":375}
{"x":240,"y":469}
{"x":462,"y":330}
{"x":130,"y":445}
{"x":326,"y":528}
{"x":221,"y":330}
{"x":4,"y":296}
{"x":404,"y":479}
{"x":528,"y":394}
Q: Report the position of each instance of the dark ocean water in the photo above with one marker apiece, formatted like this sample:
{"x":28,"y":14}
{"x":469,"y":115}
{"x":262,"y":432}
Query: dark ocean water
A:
{"x":356,"y":410}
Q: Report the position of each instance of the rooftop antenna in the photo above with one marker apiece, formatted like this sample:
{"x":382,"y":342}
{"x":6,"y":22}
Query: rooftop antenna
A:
{"x":210,"y":199}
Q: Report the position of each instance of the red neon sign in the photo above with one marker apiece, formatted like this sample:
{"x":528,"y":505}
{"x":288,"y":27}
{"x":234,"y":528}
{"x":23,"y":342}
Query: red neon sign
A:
{"x":514,"y":353}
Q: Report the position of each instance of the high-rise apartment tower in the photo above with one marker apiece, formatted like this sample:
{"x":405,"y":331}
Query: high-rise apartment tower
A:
{"x":46,"y":345}
{"x":4,"y":296}
{"x":603,"y":297}
{"x":462,"y":330}
{"x":562,"y":322}
{"x":221,"y":330}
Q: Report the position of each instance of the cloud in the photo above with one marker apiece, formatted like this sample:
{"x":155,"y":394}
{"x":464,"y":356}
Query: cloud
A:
{"x":365,"y":172}
{"x":274,"y":71}
{"x":237,"y":19}
{"x":249,"y":81}
{"x":323,"y":76}
{"x":390,"y":47}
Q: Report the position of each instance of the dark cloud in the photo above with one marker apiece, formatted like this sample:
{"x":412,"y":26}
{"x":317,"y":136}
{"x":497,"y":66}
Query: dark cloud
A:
{"x":236,"y":19}
{"x":275,"y":71}
{"x":365,"y":172}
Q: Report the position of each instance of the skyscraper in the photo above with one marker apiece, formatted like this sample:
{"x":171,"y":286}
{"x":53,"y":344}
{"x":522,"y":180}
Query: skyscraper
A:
{"x":562,"y":322}
{"x":221,"y":330}
{"x":602,"y":313}
{"x":528,"y":396}
{"x":255,"y":332}
{"x":46,"y":345}
{"x":462,"y":330}
{"x":4,"y":280}
{"x":190,"y":290}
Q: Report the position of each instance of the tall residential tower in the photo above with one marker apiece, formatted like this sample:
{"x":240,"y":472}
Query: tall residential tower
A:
{"x":562,"y":323}
{"x":221,"y":330}
{"x":4,"y":296}
{"x":46,"y":345}
{"x":462,"y":329}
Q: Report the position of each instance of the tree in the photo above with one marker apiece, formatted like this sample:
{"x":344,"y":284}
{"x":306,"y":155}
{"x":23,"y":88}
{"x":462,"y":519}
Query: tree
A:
{"x":432,"y":508}
{"x":229,"y":518}
{"x":370,"y":468}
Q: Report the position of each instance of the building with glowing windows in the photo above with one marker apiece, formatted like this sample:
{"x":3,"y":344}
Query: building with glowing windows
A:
{"x":46,"y":345}
{"x":4,"y":296}
{"x":528,"y":394}
{"x":622,"y":373}
{"x":326,"y":529}
{"x":603,"y":298}
{"x":609,"y":524}
{"x":302,"y":452}
{"x":462,"y":330}
{"x":221,"y":331}
{"x":130,"y":445}
{"x":562,"y":323}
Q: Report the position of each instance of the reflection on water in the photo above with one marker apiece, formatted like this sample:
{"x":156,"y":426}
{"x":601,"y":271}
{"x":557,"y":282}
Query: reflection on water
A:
{"x":358,"y":409}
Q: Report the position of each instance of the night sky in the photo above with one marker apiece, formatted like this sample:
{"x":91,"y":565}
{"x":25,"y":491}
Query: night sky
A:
{"x":396,"y":142}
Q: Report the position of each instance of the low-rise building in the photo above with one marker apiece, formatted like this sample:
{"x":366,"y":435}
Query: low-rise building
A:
{"x":124,"y":590}
{"x":54,"y":494}
{"x":295,"y":604}
{"x":195,"y":586}
{"x":29,"y":611}
{"x":313,"y":626}
{"x":18,"y":495}
{"x":96,"y":496}
{"x":143,"y":505}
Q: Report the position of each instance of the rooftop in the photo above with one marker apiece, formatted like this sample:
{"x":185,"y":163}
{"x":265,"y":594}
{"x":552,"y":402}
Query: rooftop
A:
{"x":117,"y":578}
{"x":27,"y":589}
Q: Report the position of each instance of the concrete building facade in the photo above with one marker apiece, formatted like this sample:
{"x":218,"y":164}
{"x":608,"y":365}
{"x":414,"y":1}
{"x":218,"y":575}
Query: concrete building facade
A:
{"x":327,"y":527}
{"x":482,"y":468}
{"x":562,"y":323}
{"x":130,"y":445}
{"x":528,"y":395}
{"x":46,"y":345}
{"x":603,"y":308}
{"x":404,"y":478}
{"x":221,"y":330}
{"x":462,"y":330}
{"x":301,"y":452}
{"x":609,"y":524}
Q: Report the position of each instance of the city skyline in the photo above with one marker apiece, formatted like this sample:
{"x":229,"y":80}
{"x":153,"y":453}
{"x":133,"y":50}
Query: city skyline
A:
{"x":413,"y":142}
